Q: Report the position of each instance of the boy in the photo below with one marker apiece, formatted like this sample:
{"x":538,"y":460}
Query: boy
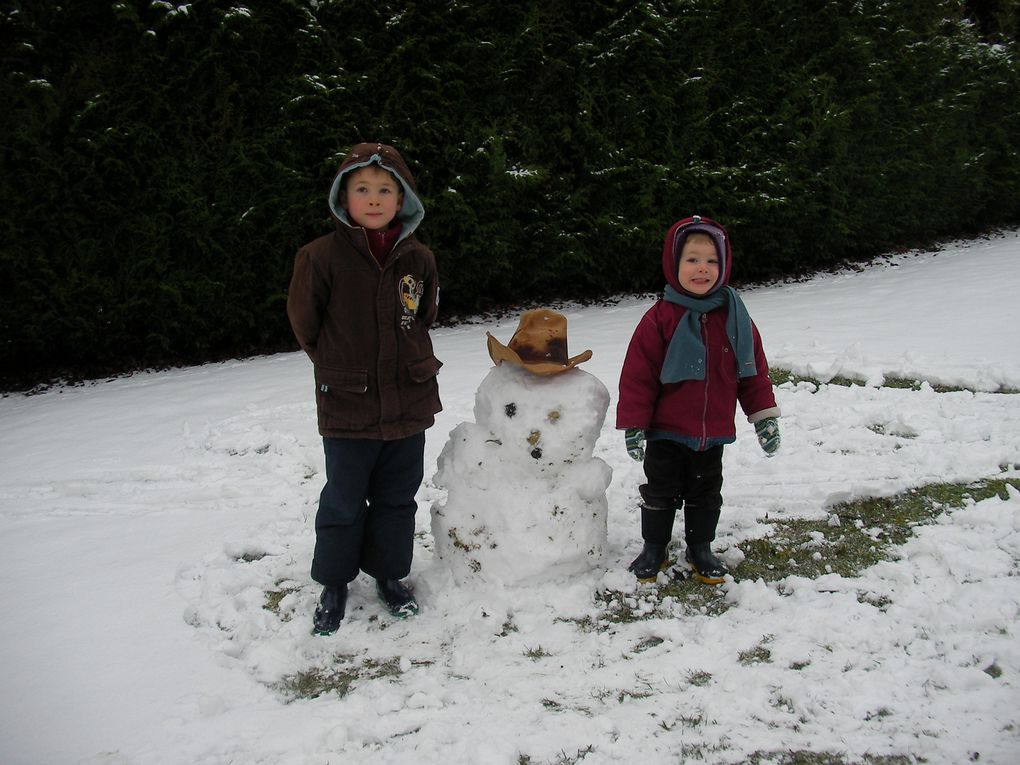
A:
{"x":360,"y":303}
{"x":693,"y":356}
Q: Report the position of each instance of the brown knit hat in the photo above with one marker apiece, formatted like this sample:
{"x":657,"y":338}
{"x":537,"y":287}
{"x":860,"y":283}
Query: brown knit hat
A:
{"x":539,"y":345}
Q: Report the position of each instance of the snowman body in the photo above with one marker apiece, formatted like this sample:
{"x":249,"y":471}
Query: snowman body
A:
{"x":526,"y":497}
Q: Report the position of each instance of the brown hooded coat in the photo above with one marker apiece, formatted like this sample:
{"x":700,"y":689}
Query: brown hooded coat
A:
{"x":365,"y":325}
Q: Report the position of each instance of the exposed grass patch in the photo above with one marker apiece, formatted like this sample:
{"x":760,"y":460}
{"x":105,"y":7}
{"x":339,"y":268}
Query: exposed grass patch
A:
{"x":618,"y":608}
{"x":250,"y":557}
{"x":855,"y":536}
{"x":780,"y":376}
{"x":339,"y":680}
{"x":273,"y":598}
{"x":680,"y":595}
{"x":648,"y":642}
{"x":508,"y":627}
{"x":993,"y":671}
{"x":760,"y":654}
{"x":699,"y":678}
{"x":802,"y":757}
{"x":562,"y":759}
{"x":537,"y":653}
{"x":693,"y":596}
{"x":315,"y":682}
{"x":585,"y":623}
{"x":699,"y":752}
{"x":623,"y":696}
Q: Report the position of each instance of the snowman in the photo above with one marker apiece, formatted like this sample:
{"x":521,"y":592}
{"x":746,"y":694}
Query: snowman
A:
{"x":526,"y":499}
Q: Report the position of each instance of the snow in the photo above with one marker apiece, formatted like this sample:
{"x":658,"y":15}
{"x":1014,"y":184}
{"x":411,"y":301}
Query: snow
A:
{"x":143,"y":521}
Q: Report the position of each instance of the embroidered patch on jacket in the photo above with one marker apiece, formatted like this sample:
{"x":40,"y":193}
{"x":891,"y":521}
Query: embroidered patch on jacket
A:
{"x":410,"y":297}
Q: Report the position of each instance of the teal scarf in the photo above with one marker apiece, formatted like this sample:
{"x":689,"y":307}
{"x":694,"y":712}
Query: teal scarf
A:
{"x":685,"y":357}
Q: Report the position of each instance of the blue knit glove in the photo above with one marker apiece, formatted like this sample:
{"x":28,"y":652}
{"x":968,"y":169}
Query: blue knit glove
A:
{"x":768,"y":435}
{"x":635,"y":439}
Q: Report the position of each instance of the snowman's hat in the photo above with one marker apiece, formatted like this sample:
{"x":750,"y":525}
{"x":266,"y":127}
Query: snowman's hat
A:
{"x":539,"y":345}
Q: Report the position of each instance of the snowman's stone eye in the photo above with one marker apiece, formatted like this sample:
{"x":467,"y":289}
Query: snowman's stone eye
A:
{"x":553,"y":415}
{"x":510,"y":409}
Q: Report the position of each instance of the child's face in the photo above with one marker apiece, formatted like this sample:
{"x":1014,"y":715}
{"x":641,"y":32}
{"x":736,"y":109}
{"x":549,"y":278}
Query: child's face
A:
{"x":699,"y":264}
{"x":372,"y":197}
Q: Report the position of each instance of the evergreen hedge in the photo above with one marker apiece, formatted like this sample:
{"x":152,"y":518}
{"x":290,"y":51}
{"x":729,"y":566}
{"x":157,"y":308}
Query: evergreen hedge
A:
{"x":162,"y":162}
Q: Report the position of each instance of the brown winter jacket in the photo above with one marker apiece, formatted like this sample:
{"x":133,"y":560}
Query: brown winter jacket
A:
{"x":365,"y":326}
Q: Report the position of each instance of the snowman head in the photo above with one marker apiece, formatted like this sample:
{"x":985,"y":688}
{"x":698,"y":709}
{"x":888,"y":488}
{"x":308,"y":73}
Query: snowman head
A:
{"x":541,"y":420}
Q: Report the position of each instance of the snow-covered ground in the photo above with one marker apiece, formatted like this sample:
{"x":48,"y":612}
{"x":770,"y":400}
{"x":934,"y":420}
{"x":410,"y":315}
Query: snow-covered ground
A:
{"x":144,"y":520}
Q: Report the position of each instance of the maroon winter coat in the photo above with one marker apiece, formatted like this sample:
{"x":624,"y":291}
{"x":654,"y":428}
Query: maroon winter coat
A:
{"x":365,"y":325}
{"x":701,"y":412}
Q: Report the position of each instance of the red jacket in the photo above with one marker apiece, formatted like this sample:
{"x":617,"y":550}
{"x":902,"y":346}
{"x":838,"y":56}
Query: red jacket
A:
{"x":700,"y":412}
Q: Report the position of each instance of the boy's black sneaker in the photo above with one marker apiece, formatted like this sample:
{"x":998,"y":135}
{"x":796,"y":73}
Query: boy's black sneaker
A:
{"x":330,"y":611}
{"x":397,"y":597}
{"x":705,"y":566}
{"x":650,"y":562}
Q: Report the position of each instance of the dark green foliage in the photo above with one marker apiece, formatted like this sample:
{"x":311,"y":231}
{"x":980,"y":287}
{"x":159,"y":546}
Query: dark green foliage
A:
{"x":155,"y":170}
{"x":161,"y":162}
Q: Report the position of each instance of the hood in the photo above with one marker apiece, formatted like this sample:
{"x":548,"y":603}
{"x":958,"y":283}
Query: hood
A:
{"x":674,"y":243}
{"x":411,"y":212}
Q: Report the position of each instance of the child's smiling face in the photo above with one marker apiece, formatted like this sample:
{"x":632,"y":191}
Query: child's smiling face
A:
{"x":698,"y":271}
{"x":372,"y":197}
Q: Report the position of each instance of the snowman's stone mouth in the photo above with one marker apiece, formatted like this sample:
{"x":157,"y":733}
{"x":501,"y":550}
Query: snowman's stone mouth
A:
{"x":533,"y":438}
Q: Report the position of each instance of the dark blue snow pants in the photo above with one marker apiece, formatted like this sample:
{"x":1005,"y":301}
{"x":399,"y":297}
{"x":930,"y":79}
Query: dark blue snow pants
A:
{"x":365,"y":520}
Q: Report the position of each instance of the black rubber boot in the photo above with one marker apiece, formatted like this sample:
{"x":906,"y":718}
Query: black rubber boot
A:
{"x":397,"y":597}
{"x":705,"y":566}
{"x":330,"y":611}
{"x":650,"y":562}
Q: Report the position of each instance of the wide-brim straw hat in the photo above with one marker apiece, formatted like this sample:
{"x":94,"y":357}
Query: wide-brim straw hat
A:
{"x":539,"y":345}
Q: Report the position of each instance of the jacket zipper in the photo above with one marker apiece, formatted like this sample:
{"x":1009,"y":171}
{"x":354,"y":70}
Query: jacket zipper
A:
{"x":368,"y":246}
{"x":704,"y":406}
{"x":382,"y":267}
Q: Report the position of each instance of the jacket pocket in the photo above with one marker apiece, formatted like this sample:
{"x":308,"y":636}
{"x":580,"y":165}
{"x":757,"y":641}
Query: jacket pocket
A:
{"x":342,"y":400}
{"x":329,"y":380}
{"x":424,"y":370}
{"x":420,"y":396}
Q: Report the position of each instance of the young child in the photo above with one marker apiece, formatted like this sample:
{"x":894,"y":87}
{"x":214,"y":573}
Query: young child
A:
{"x":693,"y":356}
{"x":360,"y":303}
